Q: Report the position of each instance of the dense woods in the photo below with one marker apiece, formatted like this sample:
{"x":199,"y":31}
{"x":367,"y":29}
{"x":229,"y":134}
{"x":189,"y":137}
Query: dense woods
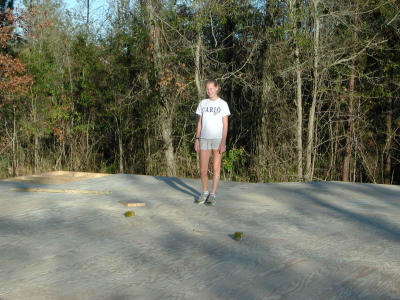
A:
{"x":313,"y":87}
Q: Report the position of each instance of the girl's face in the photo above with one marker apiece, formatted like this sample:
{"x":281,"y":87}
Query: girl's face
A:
{"x":211,"y":90}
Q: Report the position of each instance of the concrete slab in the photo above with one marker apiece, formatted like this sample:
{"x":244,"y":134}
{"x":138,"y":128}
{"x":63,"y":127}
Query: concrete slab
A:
{"x":324,"y":240}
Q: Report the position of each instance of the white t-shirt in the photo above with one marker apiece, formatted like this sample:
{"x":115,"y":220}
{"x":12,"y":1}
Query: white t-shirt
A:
{"x":211,"y":113}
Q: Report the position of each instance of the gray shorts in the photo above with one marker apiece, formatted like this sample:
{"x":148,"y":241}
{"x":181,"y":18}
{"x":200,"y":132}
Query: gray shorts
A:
{"x":209,"y":144}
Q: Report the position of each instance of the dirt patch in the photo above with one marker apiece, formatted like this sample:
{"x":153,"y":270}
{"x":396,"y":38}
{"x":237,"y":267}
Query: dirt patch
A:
{"x":57,"y":177}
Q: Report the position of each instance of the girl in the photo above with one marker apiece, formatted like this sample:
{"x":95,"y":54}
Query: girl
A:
{"x":212,"y":128}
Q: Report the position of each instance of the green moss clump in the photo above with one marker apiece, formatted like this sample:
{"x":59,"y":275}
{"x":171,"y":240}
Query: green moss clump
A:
{"x":129,"y":213}
{"x":238,"y":236}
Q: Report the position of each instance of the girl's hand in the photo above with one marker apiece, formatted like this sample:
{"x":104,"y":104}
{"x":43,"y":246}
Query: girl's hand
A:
{"x":222,"y":148}
{"x":196,"y":145}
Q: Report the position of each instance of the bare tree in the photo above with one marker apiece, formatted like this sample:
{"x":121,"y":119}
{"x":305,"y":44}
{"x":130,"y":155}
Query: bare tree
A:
{"x":295,"y":26}
{"x":350,"y":120}
{"x":197,"y":51}
{"x":387,"y":173}
{"x":167,"y":106}
{"x":311,"y":118}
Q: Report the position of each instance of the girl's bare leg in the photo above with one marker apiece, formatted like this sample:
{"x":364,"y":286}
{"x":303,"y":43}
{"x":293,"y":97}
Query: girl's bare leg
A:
{"x":204,"y":159}
{"x":216,"y":170}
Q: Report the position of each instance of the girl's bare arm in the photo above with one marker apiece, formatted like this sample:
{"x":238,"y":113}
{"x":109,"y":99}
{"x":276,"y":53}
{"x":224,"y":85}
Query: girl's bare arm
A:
{"x":224,"y":129}
{"x":222,"y":147}
{"x":198,"y":132}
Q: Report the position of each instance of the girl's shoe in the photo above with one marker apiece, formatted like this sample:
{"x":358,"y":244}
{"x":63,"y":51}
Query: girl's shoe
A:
{"x":202,"y":198}
{"x":210,"y":200}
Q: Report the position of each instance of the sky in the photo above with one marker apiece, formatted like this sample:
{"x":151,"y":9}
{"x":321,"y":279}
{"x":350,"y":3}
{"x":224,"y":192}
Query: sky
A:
{"x":97,"y":7}
{"x":97,"y":15}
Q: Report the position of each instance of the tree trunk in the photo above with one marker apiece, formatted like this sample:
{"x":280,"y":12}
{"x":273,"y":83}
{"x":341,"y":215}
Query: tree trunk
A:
{"x":121,"y":152}
{"x":14,"y":143}
{"x":350,"y":131}
{"x":87,"y":13}
{"x":293,"y":6}
{"x":154,"y":31}
{"x":197,"y":74}
{"x":197,"y":54}
{"x":35,"y":137}
{"x":167,"y":110}
{"x":267,"y":86}
{"x":311,"y":119}
{"x":266,"y":93}
{"x":87,"y":138}
{"x":36,"y":153}
{"x":147,"y":153}
{"x":169,"y":150}
{"x":387,"y":174}
{"x":299,"y":125}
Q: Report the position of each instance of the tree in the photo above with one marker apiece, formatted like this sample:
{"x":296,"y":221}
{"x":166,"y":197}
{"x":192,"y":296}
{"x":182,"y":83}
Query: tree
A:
{"x":14,"y":81}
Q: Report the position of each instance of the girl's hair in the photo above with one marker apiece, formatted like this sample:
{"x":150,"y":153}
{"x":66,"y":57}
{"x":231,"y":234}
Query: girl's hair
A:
{"x":213,"y":81}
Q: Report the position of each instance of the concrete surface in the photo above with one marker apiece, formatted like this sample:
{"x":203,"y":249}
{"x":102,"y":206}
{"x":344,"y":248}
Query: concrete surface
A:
{"x":324,"y":240}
